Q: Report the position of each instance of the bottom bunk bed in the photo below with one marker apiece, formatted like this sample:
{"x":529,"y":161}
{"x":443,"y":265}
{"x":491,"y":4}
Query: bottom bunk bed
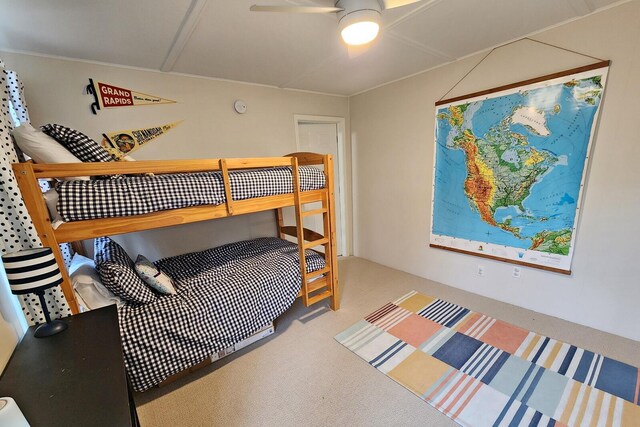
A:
{"x":223,"y":296}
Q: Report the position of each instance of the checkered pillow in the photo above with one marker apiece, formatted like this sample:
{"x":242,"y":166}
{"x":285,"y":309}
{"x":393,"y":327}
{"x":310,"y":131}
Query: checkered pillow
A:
{"x":117,"y":272}
{"x":106,"y":250}
{"x":80,"y":145}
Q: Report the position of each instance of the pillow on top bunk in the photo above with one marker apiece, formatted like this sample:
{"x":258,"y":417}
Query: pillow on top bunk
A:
{"x":42,"y":148}
{"x":153,"y":277}
{"x":80,"y":145}
{"x":117,"y":272}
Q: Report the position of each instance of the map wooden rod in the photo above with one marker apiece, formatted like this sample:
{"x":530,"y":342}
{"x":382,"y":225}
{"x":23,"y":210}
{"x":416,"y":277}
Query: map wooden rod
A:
{"x":510,"y":261}
{"x":584,"y":68}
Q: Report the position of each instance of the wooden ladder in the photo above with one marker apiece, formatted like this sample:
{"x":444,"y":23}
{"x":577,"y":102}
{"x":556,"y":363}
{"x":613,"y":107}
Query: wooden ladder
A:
{"x":320,"y":284}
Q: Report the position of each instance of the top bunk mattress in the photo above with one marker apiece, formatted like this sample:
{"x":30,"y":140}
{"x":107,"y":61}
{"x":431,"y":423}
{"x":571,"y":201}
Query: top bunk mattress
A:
{"x":137,"y":195}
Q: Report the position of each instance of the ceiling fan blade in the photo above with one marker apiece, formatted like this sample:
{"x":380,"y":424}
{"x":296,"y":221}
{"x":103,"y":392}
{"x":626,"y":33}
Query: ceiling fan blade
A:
{"x":295,"y":9}
{"x":390,"y":4}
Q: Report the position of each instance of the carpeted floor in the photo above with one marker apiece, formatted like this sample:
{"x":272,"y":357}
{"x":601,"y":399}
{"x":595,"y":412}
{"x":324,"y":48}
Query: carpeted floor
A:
{"x":302,"y":376}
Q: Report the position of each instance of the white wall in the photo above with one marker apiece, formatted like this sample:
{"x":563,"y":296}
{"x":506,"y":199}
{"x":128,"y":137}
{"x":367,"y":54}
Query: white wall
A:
{"x":392,"y":138}
{"x":8,"y":341}
{"x":212,"y":129}
{"x":12,"y":322}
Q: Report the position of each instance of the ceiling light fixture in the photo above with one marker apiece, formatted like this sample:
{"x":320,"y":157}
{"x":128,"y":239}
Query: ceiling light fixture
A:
{"x":358,"y":20}
{"x":359,"y":23}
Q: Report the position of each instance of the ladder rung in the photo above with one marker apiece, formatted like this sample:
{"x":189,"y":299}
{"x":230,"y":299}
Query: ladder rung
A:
{"x":318,"y":272}
{"x":314,"y":212}
{"x":314,"y":286}
{"x":314,"y":299}
{"x":315,"y":243}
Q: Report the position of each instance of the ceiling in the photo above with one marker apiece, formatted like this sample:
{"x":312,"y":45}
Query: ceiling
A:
{"x":222,"y":39}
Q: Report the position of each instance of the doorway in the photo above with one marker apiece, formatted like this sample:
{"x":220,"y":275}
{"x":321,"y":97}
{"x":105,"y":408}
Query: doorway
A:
{"x":325,"y":135}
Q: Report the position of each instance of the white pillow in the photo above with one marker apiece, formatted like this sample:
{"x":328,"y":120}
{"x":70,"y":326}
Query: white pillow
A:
{"x":51,"y":197}
{"x":86,"y":283}
{"x":42,"y":148}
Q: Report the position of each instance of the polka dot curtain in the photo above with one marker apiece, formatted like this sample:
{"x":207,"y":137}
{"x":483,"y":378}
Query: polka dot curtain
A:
{"x":15,"y":225}
{"x":16,"y":96}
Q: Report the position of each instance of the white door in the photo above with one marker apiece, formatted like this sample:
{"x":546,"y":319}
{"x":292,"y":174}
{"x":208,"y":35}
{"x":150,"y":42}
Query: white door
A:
{"x":322,"y":138}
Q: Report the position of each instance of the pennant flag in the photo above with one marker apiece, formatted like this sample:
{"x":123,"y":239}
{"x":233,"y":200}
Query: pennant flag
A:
{"x":123,"y":142}
{"x":108,"y":96}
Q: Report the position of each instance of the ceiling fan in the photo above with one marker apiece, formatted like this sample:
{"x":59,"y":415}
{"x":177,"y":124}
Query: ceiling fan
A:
{"x":358,"y":20}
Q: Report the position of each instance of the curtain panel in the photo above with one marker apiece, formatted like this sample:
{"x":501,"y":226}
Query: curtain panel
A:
{"x":17,"y":230}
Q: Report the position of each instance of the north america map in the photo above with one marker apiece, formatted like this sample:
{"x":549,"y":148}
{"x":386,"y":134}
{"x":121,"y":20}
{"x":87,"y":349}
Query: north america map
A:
{"x":510,"y":169}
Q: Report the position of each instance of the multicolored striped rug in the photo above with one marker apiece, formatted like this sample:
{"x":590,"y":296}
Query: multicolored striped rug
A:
{"x":481,"y":371}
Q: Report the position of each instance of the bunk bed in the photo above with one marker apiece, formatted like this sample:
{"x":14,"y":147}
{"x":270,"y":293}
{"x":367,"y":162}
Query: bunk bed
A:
{"x":317,"y":277}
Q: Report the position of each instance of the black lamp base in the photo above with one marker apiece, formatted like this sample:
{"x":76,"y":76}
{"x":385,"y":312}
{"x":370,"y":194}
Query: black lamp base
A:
{"x":50,"y":328}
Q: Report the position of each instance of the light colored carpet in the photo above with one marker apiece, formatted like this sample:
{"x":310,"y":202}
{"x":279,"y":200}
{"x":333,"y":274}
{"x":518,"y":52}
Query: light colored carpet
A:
{"x":302,"y":376}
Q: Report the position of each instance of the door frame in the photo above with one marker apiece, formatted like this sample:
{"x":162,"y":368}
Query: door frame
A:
{"x":299,"y":119}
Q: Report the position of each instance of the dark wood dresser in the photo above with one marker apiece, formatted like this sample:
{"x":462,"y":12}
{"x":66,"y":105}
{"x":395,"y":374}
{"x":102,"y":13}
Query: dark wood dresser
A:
{"x":74,"y":378}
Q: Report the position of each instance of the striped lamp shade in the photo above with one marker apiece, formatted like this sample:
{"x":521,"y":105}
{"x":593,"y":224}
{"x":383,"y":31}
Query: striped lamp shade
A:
{"x":31,"y":270}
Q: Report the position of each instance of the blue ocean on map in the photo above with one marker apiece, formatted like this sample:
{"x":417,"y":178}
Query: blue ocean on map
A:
{"x":552,"y":202}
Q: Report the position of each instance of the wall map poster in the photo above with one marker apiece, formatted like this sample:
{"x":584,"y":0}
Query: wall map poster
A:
{"x":510,"y":167}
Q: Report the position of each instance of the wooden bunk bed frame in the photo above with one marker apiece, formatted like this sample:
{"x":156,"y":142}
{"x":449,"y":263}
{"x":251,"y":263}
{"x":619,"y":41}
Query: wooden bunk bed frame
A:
{"x":316,"y":286}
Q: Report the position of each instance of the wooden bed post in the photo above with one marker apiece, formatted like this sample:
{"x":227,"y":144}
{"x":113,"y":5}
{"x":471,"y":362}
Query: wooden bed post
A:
{"x":300,"y":230}
{"x":335,"y":294}
{"x":280,"y":222}
{"x":78,"y":247}
{"x":33,"y":200}
{"x":224,"y":170}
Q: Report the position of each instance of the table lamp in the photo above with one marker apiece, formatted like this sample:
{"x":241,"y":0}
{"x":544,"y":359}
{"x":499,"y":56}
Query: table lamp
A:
{"x":34,"y":271}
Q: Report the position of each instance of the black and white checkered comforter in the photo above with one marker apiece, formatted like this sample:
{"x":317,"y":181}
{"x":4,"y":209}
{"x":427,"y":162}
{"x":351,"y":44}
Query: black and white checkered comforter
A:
{"x":224,"y":295}
{"x":136,"y":195}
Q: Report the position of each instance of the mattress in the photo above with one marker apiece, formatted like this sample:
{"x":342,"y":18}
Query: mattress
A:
{"x":135,"y":195}
{"x":224,"y":295}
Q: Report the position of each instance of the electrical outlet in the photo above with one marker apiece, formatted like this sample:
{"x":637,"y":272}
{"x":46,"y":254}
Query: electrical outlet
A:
{"x":517,"y":271}
{"x":480,"y":270}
